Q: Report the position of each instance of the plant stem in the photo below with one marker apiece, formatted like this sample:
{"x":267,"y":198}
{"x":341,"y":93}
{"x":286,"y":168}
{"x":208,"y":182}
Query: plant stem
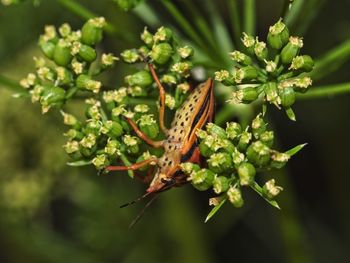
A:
{"x":326,"y":91}
{"x":293,"y":14}
{"x":249,"y":17}
{"x":331,"y":61}
{"x":84,"y":13}
{"x":12,"y":85}
{"x":186,"y":26}
{"x":235,"y":22}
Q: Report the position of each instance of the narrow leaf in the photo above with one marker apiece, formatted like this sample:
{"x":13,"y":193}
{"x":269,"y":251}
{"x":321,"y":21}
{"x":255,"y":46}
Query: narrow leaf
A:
{"x":80,"y":163}
{"x":258,"y":189}
{"x":296,"y":149}
{"x":214,"y":210}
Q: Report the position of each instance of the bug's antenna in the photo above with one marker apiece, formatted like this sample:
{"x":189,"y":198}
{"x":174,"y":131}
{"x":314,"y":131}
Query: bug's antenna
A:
{"x":140,"y":214}
{"x":136,"y":200}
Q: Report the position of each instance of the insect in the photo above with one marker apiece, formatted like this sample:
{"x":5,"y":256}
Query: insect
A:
{"x":180,"y":144}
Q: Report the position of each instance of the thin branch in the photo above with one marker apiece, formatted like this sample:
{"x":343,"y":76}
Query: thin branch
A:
{"x":249,"y":17}
{"x":326,"y":91}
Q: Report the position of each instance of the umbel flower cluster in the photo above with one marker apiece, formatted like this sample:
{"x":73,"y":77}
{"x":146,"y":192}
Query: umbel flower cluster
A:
{"x":232,"y":155}
{"x":274,"y":71}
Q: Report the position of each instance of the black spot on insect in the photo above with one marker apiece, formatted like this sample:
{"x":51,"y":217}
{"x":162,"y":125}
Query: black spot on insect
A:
{"x":170,"y":162}
{"x":186,"y":118}
{"x":166,"y":159}
{"x":182,"y":124}
{"x":170,"y":147}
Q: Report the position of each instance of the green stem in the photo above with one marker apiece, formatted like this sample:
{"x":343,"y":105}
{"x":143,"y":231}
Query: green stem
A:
{"x":12,"y":85}
{"x":331,"y":61}
{"x":84,"y":13}
{"x":326,"y":91}
{"x":136,"y":101}
{"x":201,"y":23}
{"x":126,"y":162}
{"x":293,"y":14}
{"x":183,"y":22}
{"x":249,"y":17}
{"x":235,"y":22}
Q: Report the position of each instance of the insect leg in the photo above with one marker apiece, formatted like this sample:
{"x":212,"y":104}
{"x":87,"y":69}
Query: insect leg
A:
{"x":131,"y":167}
{"x":161,"y":98}
{"x":144,"y":136}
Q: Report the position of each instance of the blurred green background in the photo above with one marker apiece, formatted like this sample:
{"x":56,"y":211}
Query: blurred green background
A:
{"x":53,"y":213}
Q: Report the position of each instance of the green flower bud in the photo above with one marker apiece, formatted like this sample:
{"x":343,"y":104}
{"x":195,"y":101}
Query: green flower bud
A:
{"x":246,"y":173}
{"x":258,"y":126}
{"x":258,"y":153}
{"x":112,"y":147}
{"x":130,"y":55}
{"x":240,"y":57}
{"x":91,"y":32}
{"x":64,"y":76}
{"x":278,"y":35}
{"x":62,"y":55}
{"x":216,"y":130}
{"x":48,"y":48}
{"x":52,"y":97}
{"x":161,"y":53}
{"x":77,"y":67}
{"x":267,"y":138}
{"x":147,"y":37}
{"x":132,"y":144}
{"x":149,"y":126}
{"x":244,"y":140}
{"x":225,"y":77}
{"x":202,"y":180}
{"x":244,"y":95}
{"x":246,"y":73}
{"x":271,"y":66}
{"x":249,"y":43}
{"x":108,"y":60}
{"x":291,"y":50}
{"x":144,"y":51}
{"x":287,"y":96}
{"x":89,"y":141}
{"x":142,"y":78}
{"x":221,"y":184}
{"x":188,"y":168}
{"x":271,"y":92}
{"x":260,"y":50}
{"x":303,"y":83}
{"x":234,"y":194}
{"x":279,"y":159}
{"x":65,"y":30}
{"x":182,"y":68}
{"x":112,"y":128}
{"x":45,"y":73}
{"x":237,"y":157}
{"x":100,"y":161}
{"x":185,"y":52}
{"x":304,"y":63}
{"x":220,"y":162}
{"x":93,"y":112}
{"x":205,"y":149}
{"x":270,"y":190}
{"x":85,"y":81}
{"x":92,"y":127}
{"x":69,"y":119}
{"x":29,"y":81}
{"x":71,"y":147}
{"x":74,"y":134}
{"x":163,"y":34}
{"x":233,"y":129}
{"x":169,"y":79}
{"x":87,"y":53}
